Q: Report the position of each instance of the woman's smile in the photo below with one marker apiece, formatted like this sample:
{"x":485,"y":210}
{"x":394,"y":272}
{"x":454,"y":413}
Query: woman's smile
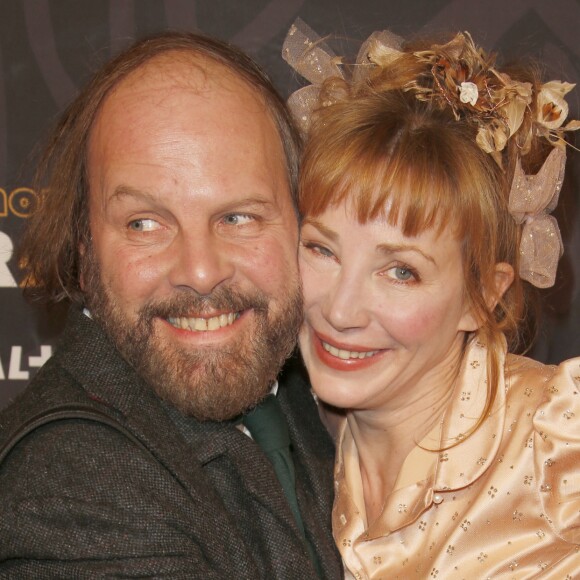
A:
{"x":344,"y":357}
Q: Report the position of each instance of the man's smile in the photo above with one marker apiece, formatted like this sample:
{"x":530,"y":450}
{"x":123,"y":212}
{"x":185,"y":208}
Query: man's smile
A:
{"x":204,"y":324}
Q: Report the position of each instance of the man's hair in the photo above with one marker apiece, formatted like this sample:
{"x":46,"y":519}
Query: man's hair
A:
{"x":59,"y":226}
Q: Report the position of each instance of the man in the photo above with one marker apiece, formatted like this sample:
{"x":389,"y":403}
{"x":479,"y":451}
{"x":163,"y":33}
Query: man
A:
{"x":168,"y":220}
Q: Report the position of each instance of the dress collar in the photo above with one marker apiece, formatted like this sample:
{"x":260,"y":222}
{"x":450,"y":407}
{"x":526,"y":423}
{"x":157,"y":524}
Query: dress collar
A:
{"x":430,"y":470}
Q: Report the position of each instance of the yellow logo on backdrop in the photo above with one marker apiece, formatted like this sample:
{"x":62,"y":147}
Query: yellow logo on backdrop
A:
{"x":18,"y":202}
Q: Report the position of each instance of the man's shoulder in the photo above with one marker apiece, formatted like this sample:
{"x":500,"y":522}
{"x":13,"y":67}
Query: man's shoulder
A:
{"x":79,"y":490}
{"x":51,"y":388}
{"x":63,"y":391}
{"x":47,"y":433}
{"x":57,"y":438}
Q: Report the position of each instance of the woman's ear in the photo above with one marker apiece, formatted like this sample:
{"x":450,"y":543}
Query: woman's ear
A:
{"x":502,"y":280}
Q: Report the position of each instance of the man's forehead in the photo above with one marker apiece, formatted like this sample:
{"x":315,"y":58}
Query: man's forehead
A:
{"x":181,"y":69}
{"x":176,"y":81}
{"x":176,"y":105}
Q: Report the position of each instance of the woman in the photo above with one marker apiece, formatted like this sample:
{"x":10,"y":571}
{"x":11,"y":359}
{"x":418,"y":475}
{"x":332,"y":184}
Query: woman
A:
{"x":422,"y":228}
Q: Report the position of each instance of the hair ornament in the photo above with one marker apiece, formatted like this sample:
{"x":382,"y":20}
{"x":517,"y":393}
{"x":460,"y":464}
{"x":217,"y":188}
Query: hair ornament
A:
{"x":312,"y":58}
{"x":460,"y":76}
{"x":532,"y":198}
{"x":309,"y":55}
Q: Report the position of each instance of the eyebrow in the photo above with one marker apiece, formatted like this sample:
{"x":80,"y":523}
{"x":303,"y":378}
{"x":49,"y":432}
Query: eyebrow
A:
{"x":382,"y":248}
{"x":391,"y":248}
{"x":330,"y":234}
{"x":122,"y":191}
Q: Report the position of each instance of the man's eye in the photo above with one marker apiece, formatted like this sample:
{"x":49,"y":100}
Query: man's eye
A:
{"x":238,"y":219}
{"x":143,"y":225}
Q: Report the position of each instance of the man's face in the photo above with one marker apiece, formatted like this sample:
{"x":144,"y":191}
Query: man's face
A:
{"x":192,"y":266}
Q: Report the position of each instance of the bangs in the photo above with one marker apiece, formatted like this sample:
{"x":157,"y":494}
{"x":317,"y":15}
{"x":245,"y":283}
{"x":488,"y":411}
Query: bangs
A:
{"x":412,"y":176}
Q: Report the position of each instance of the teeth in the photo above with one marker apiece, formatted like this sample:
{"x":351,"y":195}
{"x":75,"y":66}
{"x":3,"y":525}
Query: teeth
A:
{"x":347,"y":354}
{"x":204,"y":324}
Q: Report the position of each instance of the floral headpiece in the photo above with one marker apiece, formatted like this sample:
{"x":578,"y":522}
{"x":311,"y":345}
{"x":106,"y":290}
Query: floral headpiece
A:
{"x":462,"y":76}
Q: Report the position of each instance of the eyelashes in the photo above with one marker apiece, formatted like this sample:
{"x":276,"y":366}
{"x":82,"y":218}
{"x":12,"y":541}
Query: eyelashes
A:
{"x":238,"y":219}
{"x":143,"y":225}
{"x":318,"y":249}
{"x":404,"y":274}
{"x":397,"y":272}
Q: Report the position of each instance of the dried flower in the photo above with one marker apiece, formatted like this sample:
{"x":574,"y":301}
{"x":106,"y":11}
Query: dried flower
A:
{"x":516,"y":97}
{"x":456,"y":75}
{"x":468,"y":93}
{"x":552,"y":107}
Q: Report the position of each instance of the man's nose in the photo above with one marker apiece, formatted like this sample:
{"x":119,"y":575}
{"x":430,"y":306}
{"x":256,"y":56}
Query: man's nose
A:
{"x":200,"y":262}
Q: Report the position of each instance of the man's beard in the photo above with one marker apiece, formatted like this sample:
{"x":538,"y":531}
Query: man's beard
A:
{"x":210,"y":383}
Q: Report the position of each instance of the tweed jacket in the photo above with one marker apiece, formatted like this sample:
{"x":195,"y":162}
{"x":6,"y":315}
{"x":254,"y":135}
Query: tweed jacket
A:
{"x":162,"y":495}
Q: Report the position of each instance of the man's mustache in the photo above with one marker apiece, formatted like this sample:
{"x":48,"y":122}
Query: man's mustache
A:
{"x":187,"y":303}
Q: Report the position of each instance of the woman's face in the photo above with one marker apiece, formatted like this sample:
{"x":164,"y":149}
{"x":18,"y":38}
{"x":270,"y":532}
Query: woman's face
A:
{"x":384,"y":312}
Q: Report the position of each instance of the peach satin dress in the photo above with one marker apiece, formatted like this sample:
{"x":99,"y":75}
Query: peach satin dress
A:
{"x":503,"y":503}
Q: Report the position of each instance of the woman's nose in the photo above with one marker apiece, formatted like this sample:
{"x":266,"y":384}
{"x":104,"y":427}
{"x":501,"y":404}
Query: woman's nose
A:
{"x":345,"y":306}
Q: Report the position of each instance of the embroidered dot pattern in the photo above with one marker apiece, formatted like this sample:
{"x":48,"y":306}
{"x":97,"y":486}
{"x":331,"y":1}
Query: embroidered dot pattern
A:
{"x":475,"y":522}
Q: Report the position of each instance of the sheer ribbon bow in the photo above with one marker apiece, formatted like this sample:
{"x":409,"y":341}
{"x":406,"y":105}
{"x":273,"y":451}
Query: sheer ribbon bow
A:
{"x":308,"y":54}
{"x":532,"y":198}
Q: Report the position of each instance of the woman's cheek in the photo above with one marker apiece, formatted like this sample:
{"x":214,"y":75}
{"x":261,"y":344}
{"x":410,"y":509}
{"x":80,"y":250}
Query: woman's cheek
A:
{"x":310,"y":282}
{"x":411,"y":322}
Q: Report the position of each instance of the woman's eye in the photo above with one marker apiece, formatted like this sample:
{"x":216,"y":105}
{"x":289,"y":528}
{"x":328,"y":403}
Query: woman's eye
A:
{"x":238,"y":219}
{"x":318,"y":249}
{"x":143,"y":225}
{"x":402,"y":274}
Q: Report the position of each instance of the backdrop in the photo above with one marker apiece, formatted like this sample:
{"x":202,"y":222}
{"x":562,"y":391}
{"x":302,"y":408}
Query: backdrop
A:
{"x":49,"y":48}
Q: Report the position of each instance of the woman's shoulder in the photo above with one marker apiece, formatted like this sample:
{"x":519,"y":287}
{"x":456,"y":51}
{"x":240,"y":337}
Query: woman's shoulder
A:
{"x":554,"y":393}
{"x":533,"y":377}
{"x":522,"y":367}
{"x":557,"y":417}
